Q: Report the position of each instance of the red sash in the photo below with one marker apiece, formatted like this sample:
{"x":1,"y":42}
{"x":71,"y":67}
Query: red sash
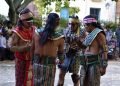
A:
{"x":25,"y":35}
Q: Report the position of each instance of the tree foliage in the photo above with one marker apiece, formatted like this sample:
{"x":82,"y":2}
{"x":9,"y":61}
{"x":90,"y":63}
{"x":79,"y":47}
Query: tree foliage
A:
{"x":63,"y":22}
{"x":15,"y":6}
{"x":111,"y":25}
{"x":37,"y":22}
{"x":58,"y":6}
{"x":72,"y":10}
{"x":44,"y":8}
{"x":43,"y":5}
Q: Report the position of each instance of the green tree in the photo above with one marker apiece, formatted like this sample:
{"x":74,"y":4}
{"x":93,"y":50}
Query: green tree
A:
{"x":15,"y":6}
{"x":43,"y":5}
{"x":38,"y":22}
{"x":58,"y":6}
{"x":66,"y":4}
{"x":111,"y":25}
{"x":73,"y":10}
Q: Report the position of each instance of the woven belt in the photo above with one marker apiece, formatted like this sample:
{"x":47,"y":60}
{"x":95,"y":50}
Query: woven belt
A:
{"x":89,"y":60}
{"x":44,"y":59}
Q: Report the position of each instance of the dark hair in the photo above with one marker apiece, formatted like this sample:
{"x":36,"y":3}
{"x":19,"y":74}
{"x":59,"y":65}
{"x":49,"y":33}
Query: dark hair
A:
{"x":49,"y":27}
{"x":74,"y":16}
{"x":19,"y":23}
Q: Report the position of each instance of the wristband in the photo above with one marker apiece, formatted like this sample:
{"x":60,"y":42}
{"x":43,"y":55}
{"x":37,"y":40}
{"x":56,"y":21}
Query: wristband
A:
{"x":104,"y":63}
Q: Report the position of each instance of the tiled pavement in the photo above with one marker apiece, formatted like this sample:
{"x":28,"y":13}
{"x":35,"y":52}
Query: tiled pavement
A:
{"x":112,"y":77}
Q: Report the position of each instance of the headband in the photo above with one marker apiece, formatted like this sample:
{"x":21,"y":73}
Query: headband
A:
{"x":89,"y":20}
{"x":73,"y":20}
{"x":26,"y":16}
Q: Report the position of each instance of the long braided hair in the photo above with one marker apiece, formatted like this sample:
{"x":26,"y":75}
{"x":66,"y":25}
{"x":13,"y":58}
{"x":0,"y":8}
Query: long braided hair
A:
{"x":49,"y":28}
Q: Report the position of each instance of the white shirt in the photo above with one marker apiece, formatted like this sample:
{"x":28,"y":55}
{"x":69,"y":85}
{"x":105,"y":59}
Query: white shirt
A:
{"x":3,"y":41}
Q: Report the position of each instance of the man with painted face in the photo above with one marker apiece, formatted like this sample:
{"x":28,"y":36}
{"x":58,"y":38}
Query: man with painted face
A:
{"x":94,"y":58}
{"x":71,"y":62}
{"x":20,"y":45}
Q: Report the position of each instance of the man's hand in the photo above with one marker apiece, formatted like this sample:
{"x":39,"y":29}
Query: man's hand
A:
{"x":102,"y":71}
{"x":58,"y":61}
{"x":28,"y":46}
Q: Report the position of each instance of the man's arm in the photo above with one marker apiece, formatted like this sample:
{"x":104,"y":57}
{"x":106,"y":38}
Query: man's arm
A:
{"x":61,"y":50}
{"x":103,"y":45}
{"x":104,"y":48}
{"x":14,"y":44}
{"x":33,"y":45}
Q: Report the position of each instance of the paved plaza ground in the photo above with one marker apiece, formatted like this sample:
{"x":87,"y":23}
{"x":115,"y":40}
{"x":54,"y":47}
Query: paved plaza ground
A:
{"x":112,"y":77}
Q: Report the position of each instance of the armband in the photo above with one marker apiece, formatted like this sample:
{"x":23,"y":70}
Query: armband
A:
{"x":104,"y":63}
{"x":105,"y":48}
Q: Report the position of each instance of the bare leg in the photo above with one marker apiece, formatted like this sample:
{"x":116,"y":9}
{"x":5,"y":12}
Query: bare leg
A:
{"x":75,"y":79}
{"x":61,"y":78}
{"x":83,"y":79}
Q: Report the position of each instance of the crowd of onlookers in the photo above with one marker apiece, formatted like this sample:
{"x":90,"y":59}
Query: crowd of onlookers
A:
{"x":113,"y":41}
{"x":5,"y":36}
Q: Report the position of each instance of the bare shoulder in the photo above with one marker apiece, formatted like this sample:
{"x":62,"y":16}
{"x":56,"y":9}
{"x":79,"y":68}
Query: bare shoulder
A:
{"x":15,"y":36}
{"x":15,"y":39}
{"x":61,"y":41}
{"x":101,"y":37}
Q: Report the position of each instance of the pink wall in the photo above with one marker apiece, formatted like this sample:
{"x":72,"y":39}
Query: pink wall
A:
{"x":33,"y":8}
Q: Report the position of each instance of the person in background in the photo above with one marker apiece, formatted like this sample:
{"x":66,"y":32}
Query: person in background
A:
{"x":47,"y":46}
{"x":3,"y":31}
{"x":20,"y":45}
{"x":117,"y":33}
{"x":109,"y":35}
{"x":2,"y":42}
{"x":9,"y":27}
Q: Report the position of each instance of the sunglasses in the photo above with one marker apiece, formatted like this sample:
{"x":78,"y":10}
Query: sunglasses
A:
{"x":29,"y":20}
{"x":73,"y":23}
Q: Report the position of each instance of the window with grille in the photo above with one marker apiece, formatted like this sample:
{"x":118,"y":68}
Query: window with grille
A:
{"x":95,"y":12}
